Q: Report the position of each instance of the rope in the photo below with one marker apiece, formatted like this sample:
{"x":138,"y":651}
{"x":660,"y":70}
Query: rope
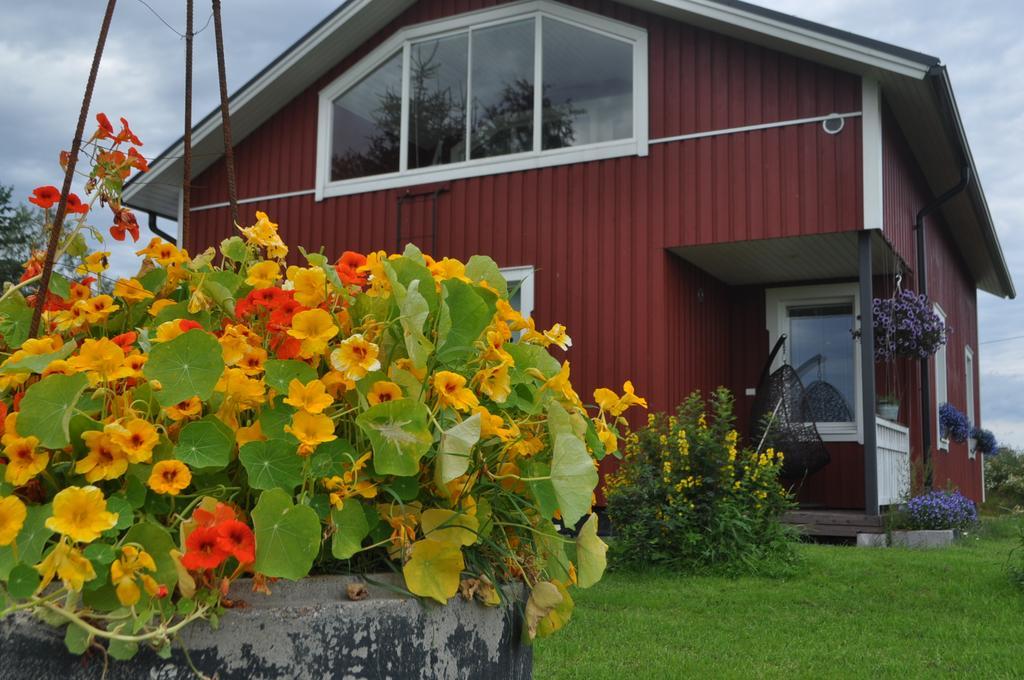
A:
{"x":229,"y":153}
{"x":69,"y":172}
{"x":186,"y":182}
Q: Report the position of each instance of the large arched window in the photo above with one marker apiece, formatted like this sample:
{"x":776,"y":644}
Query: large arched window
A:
{"x":521,"y":86}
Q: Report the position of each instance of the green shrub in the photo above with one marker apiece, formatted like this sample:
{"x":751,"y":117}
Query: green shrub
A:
{"x":1017,"y":560}
{"x":687,"y":497}
{"x":1004,"y":479}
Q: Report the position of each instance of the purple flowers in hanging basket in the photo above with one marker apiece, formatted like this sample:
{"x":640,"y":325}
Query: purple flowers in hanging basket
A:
{"x":907,"y":326}
{"x":941,"y":510}
{"x":984,"y":441}
{"x":953,"y":424}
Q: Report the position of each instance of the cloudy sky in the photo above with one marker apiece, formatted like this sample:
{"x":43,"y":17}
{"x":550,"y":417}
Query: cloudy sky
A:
{"x":44,"y":63}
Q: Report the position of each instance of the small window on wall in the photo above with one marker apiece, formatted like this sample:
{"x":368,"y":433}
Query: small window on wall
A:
{"x":941,"y":382}
{"x":818,"y":322}
{"x":520,"y":289}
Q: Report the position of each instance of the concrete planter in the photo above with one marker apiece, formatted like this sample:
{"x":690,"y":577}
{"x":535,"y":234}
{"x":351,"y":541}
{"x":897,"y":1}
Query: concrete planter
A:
{"x":307,"y":629}
{"x":923,"y":538}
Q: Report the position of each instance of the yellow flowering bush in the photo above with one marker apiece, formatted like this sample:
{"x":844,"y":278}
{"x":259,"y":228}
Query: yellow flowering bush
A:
{"x":688,"y":495}
{"x":225,"y":415}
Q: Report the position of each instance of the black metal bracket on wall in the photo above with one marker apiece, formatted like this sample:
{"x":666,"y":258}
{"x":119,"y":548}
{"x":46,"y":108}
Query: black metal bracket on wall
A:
{"x":403,"y":198}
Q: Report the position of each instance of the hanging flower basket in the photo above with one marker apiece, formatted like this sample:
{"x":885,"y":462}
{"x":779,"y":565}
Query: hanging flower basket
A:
{"x":907,"y":326}
{"x":953,"y":424}
{"x":984,"y":441}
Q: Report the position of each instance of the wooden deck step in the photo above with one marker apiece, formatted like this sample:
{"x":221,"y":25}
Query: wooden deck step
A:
{"x":836,"y":523}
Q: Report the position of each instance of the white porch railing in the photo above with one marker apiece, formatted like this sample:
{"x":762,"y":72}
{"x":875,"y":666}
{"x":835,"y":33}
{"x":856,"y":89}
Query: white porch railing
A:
{"x":893,"y":442}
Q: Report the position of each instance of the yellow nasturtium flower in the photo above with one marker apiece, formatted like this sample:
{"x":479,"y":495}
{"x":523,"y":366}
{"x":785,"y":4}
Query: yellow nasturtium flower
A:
{"x":349,"y":485}
{"x":98,"y":308}
{"x":105,"y":460}
{"x":155,"y":308}
{"x":249,"y":433}
{"x":263,"y":274}
{"x":560,"y":384}
{"x":494,"y":382}
{"x":355,"y":357}
{"x":314,"y":327}
{"x":311,"y":430}
{"x":94,"y":263}
{"x":128,"y":568}
{"x":136,"y":437}
{"x":23,"y":460}
{"x":264,"y":234}
{"x":131,"y":290}
{"x":609,"y":402}
{"x":166,"y":254}
{"x":12,"y":518}
{"x":309,"y":284}
{"x":169,"y":477}
{"x":103,"y":357}
{"x":451,"y":390}
{"x":189,"y":408}
{"x":557,"y":336}
{"x":383,"y":391}
{"x":69,"y":564}
{"x":311,"y":397}
{"x":80,"y":513}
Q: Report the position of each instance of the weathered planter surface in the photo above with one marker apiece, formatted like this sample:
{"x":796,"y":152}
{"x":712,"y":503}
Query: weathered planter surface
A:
{"x":303,"y":630}
{"x":923,"y":538}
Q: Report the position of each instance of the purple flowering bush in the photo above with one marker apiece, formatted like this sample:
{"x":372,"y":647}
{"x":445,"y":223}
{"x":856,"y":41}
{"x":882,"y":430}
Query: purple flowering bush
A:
{"x":953,"y":424}
{"x":907,"y":326}
{"x":984,"y":441}
{"x":941,"y":510}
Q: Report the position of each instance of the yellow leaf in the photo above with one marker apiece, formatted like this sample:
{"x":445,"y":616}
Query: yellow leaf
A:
{"x":186,"y":584}
{"x":591,"y":552}
{"x":559,"y":615}
{"x":449,"y":526}
{"x":434,"y":569}
{"x":544,"y":598}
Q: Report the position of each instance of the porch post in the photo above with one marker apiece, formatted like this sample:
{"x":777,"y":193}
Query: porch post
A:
{"x":867,"y":374}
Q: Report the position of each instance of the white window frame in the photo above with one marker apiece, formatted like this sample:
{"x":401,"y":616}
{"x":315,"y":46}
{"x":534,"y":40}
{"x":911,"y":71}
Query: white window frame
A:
{"x":777,"y":304}
{"x":401,"y":41}
{"x":523,"y":278}
{"x":970,"y":398}
{"x":941,"y":381}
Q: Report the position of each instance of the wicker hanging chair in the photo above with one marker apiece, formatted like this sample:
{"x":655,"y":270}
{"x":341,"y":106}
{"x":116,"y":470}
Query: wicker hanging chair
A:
{"x":782,"y":418}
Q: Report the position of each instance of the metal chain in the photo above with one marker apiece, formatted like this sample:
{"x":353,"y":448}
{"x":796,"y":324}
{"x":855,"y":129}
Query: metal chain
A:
{"x":69,"y":173}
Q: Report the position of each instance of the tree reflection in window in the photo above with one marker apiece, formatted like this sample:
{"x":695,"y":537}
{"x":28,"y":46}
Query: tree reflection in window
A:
{"x":367,"y":124}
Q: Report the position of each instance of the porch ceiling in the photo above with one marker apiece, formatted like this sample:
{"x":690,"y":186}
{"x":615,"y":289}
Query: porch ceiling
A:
{"x":784,"y":260}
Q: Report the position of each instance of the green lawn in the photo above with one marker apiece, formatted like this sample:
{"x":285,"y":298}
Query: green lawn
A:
{"x":850,"y":613}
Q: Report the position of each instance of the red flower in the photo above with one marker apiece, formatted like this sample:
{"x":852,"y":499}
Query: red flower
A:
{"x":65,"y":158}
{"x":284,"y":311}
{"x":268,"y":297}
{"x":75,"y":205}
{"x":44,"y":197}
{"x":106,"y":130}
{"x":285,"y":346}
{"x":125,"y":340}
{"x":202,"y":549}
{"x":347,"y":267}
{"x":221,"y":513}
{"x":126,"y":134}
{"x":124,"y":221}
{"x":137,"y":161}
{"x":236,"y":539}
{"x":188,"y":324}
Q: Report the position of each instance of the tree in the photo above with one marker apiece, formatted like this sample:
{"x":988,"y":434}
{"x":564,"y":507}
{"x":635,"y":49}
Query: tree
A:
{"x":21,"y":232}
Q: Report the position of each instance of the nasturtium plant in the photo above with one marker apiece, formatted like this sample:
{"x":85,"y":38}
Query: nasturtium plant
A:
{"x":232,"y":415}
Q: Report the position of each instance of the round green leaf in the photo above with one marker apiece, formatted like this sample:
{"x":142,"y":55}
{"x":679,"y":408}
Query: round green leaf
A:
{"x":76,"y":639}
{"x":22,"y":581}
{"x":187,"y":366}
{"x":287,"y":536}
{"x":350,"y":528}
{"x":332,"y":458}
{"x":35,"y":363}
{"x":280,"y":373}
{"x":272,"y":464}
{"x":47,"y":408}
{"x":573,"y":477}
{"x":205,"y":443}
{"x":399,"y":434}
{"x":155,"y":540}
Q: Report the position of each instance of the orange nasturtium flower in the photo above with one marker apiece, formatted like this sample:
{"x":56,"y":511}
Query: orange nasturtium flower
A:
{"x":12,"y":518}
{"x":451,"y":391}
{"x":311,"y":397}
{"x":311,"y":430}
{"x":382,"y":391}
{"x":314,"y":328}
{"x":45,"y":197}
{"x":128,"y":568}
{"x":169,"y":477}
{"x":136,"y":437}
{"x":67,"y":562}
{"x":189,"y":408}
{"x":355,"y":357}
{"x":80,"y":513}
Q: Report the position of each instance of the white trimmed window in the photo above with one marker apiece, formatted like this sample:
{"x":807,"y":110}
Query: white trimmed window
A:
{"x":521,"y":86}
{"x":941,"y":382}
{"x":520,"y":289}
{"x":969,"y":382}
{"x":819,"y":324}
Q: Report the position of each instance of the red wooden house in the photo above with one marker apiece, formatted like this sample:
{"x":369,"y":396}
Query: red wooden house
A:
{"x":678,"y":181}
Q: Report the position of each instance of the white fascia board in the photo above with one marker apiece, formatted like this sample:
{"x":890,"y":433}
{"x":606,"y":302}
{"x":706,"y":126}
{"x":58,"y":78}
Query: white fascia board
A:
{"x":871,"y":141}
